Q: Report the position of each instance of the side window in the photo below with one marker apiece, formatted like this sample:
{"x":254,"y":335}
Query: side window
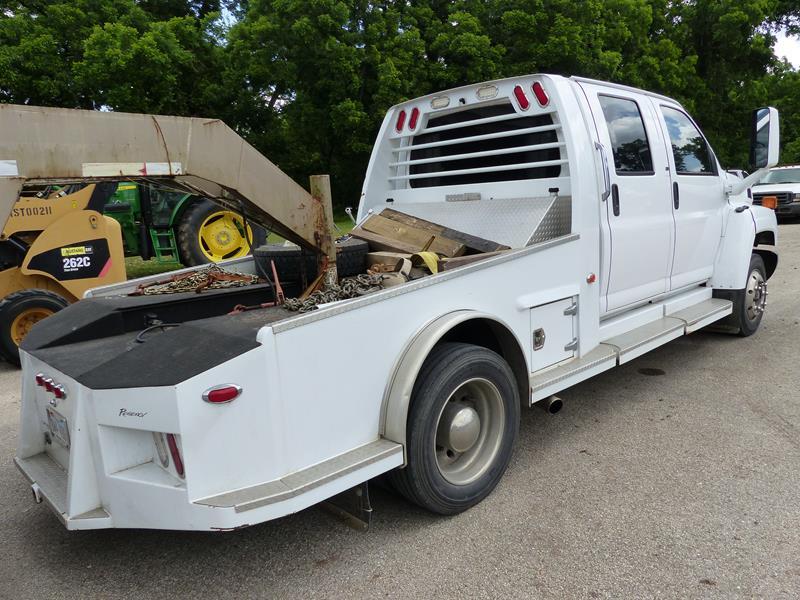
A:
{"x":690,"y":149}
{"x":628,"y":136}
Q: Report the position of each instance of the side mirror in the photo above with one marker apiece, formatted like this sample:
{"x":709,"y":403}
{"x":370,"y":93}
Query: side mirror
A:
{"x":765,"y":138}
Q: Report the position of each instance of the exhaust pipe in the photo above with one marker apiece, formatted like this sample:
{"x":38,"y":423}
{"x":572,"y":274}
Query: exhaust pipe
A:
{"x":552,"y":405}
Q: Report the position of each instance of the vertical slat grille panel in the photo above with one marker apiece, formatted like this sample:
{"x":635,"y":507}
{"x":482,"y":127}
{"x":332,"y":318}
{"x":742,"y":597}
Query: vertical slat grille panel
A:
{"x":479,"y":145}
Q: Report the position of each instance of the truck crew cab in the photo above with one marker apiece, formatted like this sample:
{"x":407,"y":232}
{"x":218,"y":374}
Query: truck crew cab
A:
{"x":617,"y":230}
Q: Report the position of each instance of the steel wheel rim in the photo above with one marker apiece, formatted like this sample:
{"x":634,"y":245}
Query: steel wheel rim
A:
{"x":221,"y":236}
{"x":755,"y":296}
{"x":476,"y":398}
{"x":22,"y":323}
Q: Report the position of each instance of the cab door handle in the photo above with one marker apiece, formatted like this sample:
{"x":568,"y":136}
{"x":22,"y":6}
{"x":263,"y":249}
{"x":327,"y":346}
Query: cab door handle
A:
{"x":676,"y":195}
{"x":615,"y":199}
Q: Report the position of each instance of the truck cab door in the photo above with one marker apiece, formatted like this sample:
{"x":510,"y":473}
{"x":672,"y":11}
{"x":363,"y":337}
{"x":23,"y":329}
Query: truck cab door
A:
{"x":698,"y":197}
{"x":636,"y":220}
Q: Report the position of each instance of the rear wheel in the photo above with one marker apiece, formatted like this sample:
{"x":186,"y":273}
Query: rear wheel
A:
{"x":462,"y":425}
{"x":19,"y":312}
{"x":209,"y":233}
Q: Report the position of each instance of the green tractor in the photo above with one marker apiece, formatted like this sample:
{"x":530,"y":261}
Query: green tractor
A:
{"x":175,"y":226}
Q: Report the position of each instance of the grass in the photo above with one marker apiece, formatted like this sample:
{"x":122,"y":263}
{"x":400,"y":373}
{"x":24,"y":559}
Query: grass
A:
{"x":136,"y":267}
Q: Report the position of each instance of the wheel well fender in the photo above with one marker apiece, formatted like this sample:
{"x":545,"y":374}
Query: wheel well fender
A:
{"x":770,"y":259}
{"x":466,"y":326}
{"x":735,"y":249}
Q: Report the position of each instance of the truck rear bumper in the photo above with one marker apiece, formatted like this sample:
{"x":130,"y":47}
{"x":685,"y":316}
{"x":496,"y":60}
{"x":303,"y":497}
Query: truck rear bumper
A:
{"x":49,"y":486}
{"x":169,"y":508}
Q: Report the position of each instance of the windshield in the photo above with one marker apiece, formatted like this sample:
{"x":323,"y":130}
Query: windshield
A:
{"x":781,"y":176}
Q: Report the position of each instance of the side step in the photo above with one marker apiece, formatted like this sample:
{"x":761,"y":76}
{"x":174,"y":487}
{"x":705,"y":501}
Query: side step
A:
{"x":308,"y":479}
{"x":702,"y":314}
{"x":625,"y":347}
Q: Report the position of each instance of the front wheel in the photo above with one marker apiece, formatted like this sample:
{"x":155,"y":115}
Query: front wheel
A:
{"x":19,"y":312}
{"x":462,"y":424}
{"x":749,"y":303}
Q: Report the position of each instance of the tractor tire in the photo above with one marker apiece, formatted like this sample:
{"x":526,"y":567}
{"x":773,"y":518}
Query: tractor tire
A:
{"x":351,"y":259}
{"x":19,"y":312}
{"x":210,"y":233}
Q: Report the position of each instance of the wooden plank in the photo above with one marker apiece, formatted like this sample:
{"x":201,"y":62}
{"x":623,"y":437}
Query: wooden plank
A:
{"x":470,"y":241}
{"x":451,"y":263}
{"x":413,"y":236}
{"x":380,"y":242}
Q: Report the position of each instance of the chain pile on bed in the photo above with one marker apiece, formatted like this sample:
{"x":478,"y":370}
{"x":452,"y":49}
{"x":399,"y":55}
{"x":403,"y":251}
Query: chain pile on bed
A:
{"x":348,"y":287}
{"x":211,"y":277}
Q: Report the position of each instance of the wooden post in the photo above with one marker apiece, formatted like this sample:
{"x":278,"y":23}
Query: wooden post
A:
{"x":321,"y":192}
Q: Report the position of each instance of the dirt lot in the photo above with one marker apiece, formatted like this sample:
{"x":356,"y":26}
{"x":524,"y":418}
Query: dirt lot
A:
{"x":677,"y":485}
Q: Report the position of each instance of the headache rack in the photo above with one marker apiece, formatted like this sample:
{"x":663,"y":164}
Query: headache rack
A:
{"x":480,"y":144}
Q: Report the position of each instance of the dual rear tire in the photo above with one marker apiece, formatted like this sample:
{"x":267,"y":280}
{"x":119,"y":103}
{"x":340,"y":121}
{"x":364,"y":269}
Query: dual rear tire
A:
{"x":462,"y":425}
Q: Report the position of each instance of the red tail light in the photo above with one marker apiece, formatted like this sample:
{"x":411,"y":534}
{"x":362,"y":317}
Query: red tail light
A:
{"x":412,"y":122}
{"x":541,"y":95}
{"x":401,"y":121}
{"x":222,"y":394}
{"x":176,"y":454}
{"x":522,"y":99}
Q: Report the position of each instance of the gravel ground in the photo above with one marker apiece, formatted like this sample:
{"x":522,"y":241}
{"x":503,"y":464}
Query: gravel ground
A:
{"x":679,"y":485}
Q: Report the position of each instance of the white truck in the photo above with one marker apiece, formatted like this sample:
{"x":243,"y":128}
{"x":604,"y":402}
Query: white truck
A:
{"x":780,"y":188}
{"x":622,"y":233}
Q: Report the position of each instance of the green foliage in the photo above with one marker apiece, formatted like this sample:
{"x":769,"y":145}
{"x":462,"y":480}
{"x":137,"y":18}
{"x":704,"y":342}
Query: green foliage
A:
{"x":309,"y":81}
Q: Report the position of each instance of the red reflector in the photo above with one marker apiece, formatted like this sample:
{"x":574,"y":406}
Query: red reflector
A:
{"x":222,"y":393}
{"x":59,"y":392}
{"x":48,"y":385}
{"x":541,"y":95}
{"x":522,"y":99}
{"x":401,"y":120}
{"x":176,"y":454}
{"x":412,"y":122}
{"x":40,"y":379}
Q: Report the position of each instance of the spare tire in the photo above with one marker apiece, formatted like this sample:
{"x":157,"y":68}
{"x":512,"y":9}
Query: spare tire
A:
{"x":351,"y":259}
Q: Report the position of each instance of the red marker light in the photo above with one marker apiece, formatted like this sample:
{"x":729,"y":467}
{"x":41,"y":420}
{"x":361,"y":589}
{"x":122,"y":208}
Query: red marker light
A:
{"x":401,"y":120}
{"x":59,"y":392}
{"x":222,"y":394}
{"x":541,"y":95}
{"x":522,"y":99}
{"x":39,"y":379}
{"x":48,"y":384}
{"x":412,"y":122}
{"x":591,"y":278}
{"x":176,"y":454}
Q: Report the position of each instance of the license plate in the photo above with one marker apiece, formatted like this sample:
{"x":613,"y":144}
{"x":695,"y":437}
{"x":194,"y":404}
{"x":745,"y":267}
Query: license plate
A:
{"x":58,"y":427}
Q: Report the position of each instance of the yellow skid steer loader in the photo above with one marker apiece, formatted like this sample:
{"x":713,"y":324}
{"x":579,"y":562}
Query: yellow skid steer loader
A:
{"x":54,"y":247}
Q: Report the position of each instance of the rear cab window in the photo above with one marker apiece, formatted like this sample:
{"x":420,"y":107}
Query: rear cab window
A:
{"x":690,"y":150}
{"x":629,"y":141}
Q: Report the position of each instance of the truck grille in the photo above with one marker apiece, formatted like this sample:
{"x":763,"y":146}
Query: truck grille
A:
{"x":783,"y":197}
{"x":481,"y":145}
